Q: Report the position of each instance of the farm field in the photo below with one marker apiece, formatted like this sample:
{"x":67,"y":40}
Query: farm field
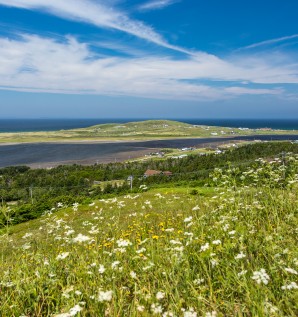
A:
{"x":225,"y":250}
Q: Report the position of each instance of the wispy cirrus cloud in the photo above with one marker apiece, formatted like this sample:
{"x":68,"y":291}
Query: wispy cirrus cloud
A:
{"x":96,"y":13}
{"x":156,"y":4}
{"x":37,"y":64}
{"x":270,"y":42}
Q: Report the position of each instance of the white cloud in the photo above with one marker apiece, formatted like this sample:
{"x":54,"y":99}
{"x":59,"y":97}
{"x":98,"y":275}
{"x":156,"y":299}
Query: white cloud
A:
{"x":118,"y":47}
{"x":269,"y":42}
{"x":251,"y":91}
{"x":96,"y":13}
{"x":33,"y":63}
{"x":156,"y":4}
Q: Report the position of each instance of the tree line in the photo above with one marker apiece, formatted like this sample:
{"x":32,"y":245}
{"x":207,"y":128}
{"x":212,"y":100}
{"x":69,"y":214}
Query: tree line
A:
{"x":30,"y":192}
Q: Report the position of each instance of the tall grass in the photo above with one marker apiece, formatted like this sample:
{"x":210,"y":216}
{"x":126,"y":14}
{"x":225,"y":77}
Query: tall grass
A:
{"x":166,"y":253}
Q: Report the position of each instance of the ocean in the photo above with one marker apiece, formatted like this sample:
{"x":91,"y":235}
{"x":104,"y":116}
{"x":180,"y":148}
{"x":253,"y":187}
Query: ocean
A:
{"x":31,"y":125}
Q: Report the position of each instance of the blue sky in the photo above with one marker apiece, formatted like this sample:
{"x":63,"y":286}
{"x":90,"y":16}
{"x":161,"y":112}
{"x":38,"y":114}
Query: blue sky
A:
{"x":150,"y":58}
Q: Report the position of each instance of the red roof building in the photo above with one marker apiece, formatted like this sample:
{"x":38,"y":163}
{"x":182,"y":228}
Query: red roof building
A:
{"x":156,"y":173}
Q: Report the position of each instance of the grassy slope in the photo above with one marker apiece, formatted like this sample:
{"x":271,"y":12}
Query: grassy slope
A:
{"x":186,"y":263}
{"x":151,"y":129}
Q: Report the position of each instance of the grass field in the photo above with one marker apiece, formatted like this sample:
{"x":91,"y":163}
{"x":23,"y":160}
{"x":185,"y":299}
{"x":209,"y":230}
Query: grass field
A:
{"x":227,"y":250}
{"x":146,"y":130}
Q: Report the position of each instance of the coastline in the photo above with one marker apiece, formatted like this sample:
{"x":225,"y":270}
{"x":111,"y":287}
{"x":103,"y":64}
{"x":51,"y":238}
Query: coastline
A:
{"x":140,"y":131}
{"x":49,"y":154}
{"x":292,"y":136}
{"x":31,"y":125}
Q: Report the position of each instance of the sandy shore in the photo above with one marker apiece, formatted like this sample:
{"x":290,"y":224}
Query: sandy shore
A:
{"x":115,"y":141}
{"x":74,"y":142}
{"x":121,"y":157}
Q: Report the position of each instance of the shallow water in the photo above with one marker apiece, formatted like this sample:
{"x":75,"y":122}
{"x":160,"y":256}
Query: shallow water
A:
{"x":53,"y":154}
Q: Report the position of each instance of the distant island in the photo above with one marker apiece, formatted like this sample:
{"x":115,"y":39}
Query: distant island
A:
{"x":134,"y":131}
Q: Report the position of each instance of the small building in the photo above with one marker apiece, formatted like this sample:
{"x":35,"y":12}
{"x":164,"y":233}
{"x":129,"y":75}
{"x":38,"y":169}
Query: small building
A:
{"x":179,"y":156}
{"x":152,"y":173}
{"x":187,"y":149}
{"x":149,"y":173}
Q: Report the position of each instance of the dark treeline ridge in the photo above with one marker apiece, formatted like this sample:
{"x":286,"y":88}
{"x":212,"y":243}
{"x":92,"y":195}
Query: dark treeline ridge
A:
{"x":30,"y":192}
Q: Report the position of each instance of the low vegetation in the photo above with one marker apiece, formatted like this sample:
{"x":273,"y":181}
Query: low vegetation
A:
{"x":144,"y":130}
{"x":228,"y":249}
{"x":30,"y":192}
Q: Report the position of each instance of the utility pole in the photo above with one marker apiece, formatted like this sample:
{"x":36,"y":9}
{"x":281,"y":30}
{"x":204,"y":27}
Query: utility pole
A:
{"x":283,"y":155}
{"x":31,"y":194}
{"x":130,"y":178}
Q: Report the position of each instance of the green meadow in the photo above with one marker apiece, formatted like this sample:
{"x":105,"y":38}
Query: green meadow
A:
{"x":228,"y":249}
{"x":145,"y":130}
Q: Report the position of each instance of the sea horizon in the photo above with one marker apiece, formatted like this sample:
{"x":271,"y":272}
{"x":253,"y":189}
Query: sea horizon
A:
{"x":52,"y":124}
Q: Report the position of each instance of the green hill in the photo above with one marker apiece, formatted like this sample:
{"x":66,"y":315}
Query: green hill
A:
{"x":144,"y":130}
{"x":228,"y":250}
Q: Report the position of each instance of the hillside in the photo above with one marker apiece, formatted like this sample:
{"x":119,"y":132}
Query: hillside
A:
{"x":225,"y":250}
{"x":145,"y":130}
{"x":30,"y":192}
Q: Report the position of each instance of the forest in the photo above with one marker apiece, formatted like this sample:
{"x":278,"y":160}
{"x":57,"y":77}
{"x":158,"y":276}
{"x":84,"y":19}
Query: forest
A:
{"x":29,"y":193}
